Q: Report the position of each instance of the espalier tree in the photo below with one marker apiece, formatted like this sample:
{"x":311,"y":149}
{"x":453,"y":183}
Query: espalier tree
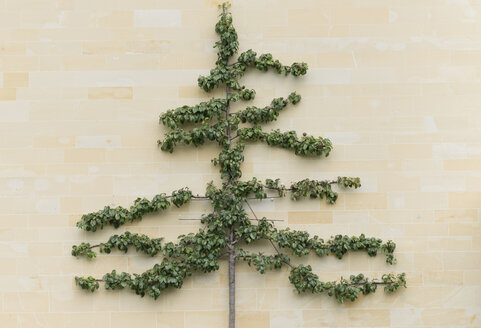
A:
{"x":229,"y":228}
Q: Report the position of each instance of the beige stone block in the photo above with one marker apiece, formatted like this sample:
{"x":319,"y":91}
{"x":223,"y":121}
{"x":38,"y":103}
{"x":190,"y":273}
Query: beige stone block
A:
{"x":206,"y":319}
{"x":368,"y":318}
{"x":462,"y":260}
{"x":126,"y":155}
{"x":307,"y":31}
{"x":289,"y":299}
{"x":83,"y":62}
{"x":367,"y":152}
{"x":94,"y":320}
{"x":360,"y":15}
{"x":464,"y":229}
{"x":143,"y":62}
{"x":187,"y":300}
{"x":207,"y":280}
{"x":110,"y":93}
{"x":10,"y":320}
{"x":310,"y":217}
{"x":15,"y":79}
{"x":286,"y":319}
{"x":70,"y":205}
{"x":9,"y":267}
{"x":431,"y":261}
{"x":13,"y":220}
{"x":406,"y":317}
{"x":462,"y":164}
{"x":68,"y":168}
{"x":148,"y":46}
{"x":379,"y":58}
{"x":399,"y":182}
{"x":12,"y":48}
{"x":315,"y":16}
{"x":472,"y":277}
{"x":195,"y":61}
{"x":464,"y":199}
{"x":335,"y":59}
{"x":44,"y":249}
{"x":19,"y":63}
{"x":50,"y":63}
{"x":170,"y":320}
{"x":103,"y":47}
{"x":359,"y":201}
{"x":444,"y":317}
{"x":450,"y":244}
{"x":268,"y":299}
{"x":252,"y":319}
{"x":417,"y":200}
{"x":400,"y":151}
{"x":443,"y":277}
{"x":24,"y":35}
{"x":336,"y":317}
{"x":463,"y":297}
{"x":66,"y":4}
{"x":53,"y":47}
{"x":8,"y":94}
{"x":158,"y":18}
{"x":155,"y":93}
{"x":126,"y":319}
{"x":26,"y":302}
{"x":85,"y":155}
{"x":115,"y":19}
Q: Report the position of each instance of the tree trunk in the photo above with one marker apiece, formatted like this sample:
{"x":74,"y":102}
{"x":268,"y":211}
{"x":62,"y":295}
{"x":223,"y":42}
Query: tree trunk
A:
{"x":231,"y":280}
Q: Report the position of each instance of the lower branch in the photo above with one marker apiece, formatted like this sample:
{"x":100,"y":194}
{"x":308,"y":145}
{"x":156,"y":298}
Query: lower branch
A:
{"x":305,"y":280}
{"x":142,"y":243}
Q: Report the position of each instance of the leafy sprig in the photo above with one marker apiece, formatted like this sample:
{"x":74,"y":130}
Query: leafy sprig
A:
{"x":142,"y":243}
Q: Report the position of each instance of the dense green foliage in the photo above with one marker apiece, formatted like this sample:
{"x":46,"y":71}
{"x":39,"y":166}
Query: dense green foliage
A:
{"x":230,"y":228}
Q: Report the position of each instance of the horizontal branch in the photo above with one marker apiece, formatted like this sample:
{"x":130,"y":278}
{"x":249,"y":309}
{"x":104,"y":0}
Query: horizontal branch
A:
{"x":301,"y":244}
{"x":256,"y":115}
{"x":304,"y":280}
{"x":304,"y":146}
{"x":304,"y":188}
{"x":206,"y":110}
{"x":119,"y":215}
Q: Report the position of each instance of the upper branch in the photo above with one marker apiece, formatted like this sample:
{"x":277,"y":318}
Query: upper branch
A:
{"x":304,"y":188}
{"x":307,"y":145}
{"x":266,"y":114}
{"x":266,"y":61}
{"x":194,"y":114}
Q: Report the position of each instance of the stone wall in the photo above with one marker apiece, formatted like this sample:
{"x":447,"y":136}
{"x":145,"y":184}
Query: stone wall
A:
{"x":395,"y":84}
